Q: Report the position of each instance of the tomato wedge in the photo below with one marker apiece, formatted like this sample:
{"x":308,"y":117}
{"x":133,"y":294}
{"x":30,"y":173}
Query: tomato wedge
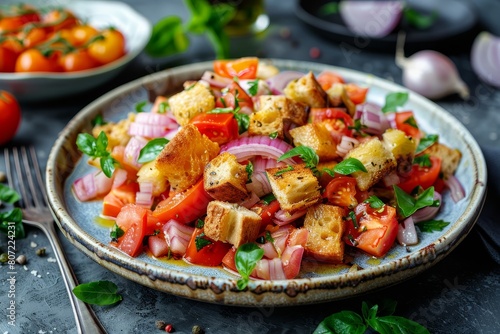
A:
{"x":341,"y":191}
{"x":327,"y":79}
{"x":185,"y":206}
{"x":220,"y":128}
{"x":210,"y":255}
{"x":118,"y":198}
{"x":377,"y":229}
{"x":228,"y":259}
{"x":242,"y":68}
{"x":131,"y":241}
{"x":356,"y":93}
{"x":405,"y":121}
{"x":422,"y":176}
{"x":336,"y":120}
{"x":266,"y":211}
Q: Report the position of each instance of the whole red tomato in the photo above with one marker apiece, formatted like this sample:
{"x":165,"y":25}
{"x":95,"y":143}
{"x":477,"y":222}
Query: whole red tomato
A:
{"x":10,"y":116}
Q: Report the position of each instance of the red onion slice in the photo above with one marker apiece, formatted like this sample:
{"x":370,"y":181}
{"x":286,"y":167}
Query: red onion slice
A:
{"x":147,"y":130}
{"x":156,"y":119}
{"x":407,"y":234}
{"x":278,"y":82}
{"x":215,"y":80}
{"x":132,"y":151}
{"x":119,"y":177}
{"x":250,"y":201}
{"x":485,"y":58}
{"x":260,"y":184}
{"x":457,"y":191}
{"x":248,"y":147}
{"x":85,"y":188}
{"x":158,"y":246}
{"x":371,"y":116}
{"x":282,"y":217}
{"x":346,"y":144}
{"x":428,"y":212}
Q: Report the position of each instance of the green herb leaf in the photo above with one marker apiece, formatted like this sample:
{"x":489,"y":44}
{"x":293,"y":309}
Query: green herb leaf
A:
{"x":426,"y":142}
{"x":352,"y":215}
{"x":274,"y":135}
{"x":86,"y":143}
{"x":201,"y":241}
{"x":397,"y":325}
{"x":139,"y":106}
{"x":307,"y":154}
{"x":375,"y":202}
{"x":243,"y":121}
{"x":411,"y":122}
{"x":98,"y":120}
{"x":253,"y":87}
{"x":151,"y":150}
{"x":432,"y":225}
{"x":116,"y":232}
{"x":163,"y":108}
{"x":167,"y":38}
{"x":387,"y":307}
{"x":14,"y":216}
{"x":268,"y":198}
{"x":269,"y":237}
{"x":419,"y":20}
{"x":358,"y":127}
{"x":107,"y":165}
{"x":283,"y":171}
{"x":407,"y":204}
{"x":8,"y":195}
{"x":98,"y":293}
{"x":394,"y":100}
{"x":246,"y":259}
{"x":249,"y":170}
{"x":200,"y":223}
{"x":345,"y":322}
{"x":423,"y":160}
{"x":349,"y":166}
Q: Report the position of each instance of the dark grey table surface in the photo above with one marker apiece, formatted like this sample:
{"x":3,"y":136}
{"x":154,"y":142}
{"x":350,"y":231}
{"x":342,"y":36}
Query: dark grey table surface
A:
{"x":460,"y":294}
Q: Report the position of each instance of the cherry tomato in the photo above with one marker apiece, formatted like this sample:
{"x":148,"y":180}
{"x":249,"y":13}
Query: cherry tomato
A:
{"x":131,"y":241}
{"x":10,"y":23}
{"x":327,"y":79}
{"x":10,"y":116}
{"x":421,"y":176}
{"x":266,"y":211}
{"x":12,"y":44}
{"x":185,"y":206}
{"x":220,"y":128}
{"x":109,"y":48}
{"x":118,"y":197}
{"x":58,"y":19}
{"x":355,"y":93}
{"x":341,"y":191}
{"x":77,"y":60}
{"x":7,"y":60}
{"x":405,"y":121}
{"x":83,"y":34}
{"x":376,"y":229}
{"x":32,"y":60}
{"x":210,"y":255}
{"x":243,"y":68}
{"x":336,"y":120}
{"x":32,"y":37}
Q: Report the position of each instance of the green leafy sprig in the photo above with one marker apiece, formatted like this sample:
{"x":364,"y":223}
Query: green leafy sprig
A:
{"x":98,"y":293}
{"x":151,"y":150}
{"x":12,"y":216}
{"x":408,"y":205}
{"x":246,"y":259}
{"x":394,"y":100}
{"x":96,"y":148}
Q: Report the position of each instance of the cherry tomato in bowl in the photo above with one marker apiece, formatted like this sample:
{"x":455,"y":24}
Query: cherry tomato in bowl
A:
{"x":10,"y":116}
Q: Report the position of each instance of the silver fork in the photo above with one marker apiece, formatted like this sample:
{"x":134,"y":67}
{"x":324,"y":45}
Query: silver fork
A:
{"x":36,"y":213}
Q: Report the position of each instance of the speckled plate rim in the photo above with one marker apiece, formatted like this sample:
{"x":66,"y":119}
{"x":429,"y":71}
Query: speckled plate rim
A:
{"x":64,"y":156}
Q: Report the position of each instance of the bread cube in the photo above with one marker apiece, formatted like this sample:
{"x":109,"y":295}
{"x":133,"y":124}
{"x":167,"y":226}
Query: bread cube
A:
{"x":231,"y":223}
{"x":317,"y":137}
{"x":376,"y":158}
{"x":183,"y":160}
{"x":450,"y":158}
{"x":195,"y":99}
{"x":225,"y":179}
{"x":307,"y":90}
{"x":117,"y":133}
{"x":326,"y":226}
{"x":337,"y":96}
{"x":149,"y":173}
{"x":295,"y":187}
{"x":402,"y":148}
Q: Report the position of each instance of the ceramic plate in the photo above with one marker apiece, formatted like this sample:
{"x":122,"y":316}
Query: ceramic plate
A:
{"x":454,"y":20}
{"x":101,"y":14}
{"x":316,"y":283}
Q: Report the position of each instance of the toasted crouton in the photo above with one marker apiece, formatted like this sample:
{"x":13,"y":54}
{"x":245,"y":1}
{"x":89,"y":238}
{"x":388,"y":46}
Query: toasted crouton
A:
{"x":150,"y":174}
{"x":225,"y":179}
{"x":337,"y":96}
{"x":295,"y":187}
{"x":117,"y":133}
{"x":326,"y":227}
{"x":307,"y":90}
{"x":376,"y":158}
{"x":449,"y":157}
{"x":183,"y":160}
{"x":231,"y":223}
{"x":402,"y":148}
{"x":194,"y":100}
{"x":317,"y":137}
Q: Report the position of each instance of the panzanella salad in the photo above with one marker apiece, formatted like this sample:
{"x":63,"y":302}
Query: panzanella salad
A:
{"x":257,"y":170}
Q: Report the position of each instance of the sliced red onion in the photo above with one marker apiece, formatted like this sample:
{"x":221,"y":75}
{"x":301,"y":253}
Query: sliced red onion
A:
{"x":132,"y":151}
{"x":371,"y":18}
{"x":407,"y":234}
{"x":260,"y":164}
{"x":215,"y":80}
{"x":391,"y":179}
{"x":156,"y":119}
{"x":278,"y":82}
{"x":177,"y":236}
{"x":177,"y":245}
{"x":260,"y":184}
{"x":485,"y":58}
{"x":371,"y":116}
{"x":171,"y":133}
{"x":102,"y":183}
{"x":428,"y":212}
{"x":291,"y":260}
{"x":248,"y":147}
{"x":119,"y":177}
{"x":281,"y":237}
{"x":147,"y":130}
{"x":276,"y":271}
{"x":85,"y":188}
{"x":346,"y":144}
{"x":261,"y":269}
{"x":250,"y":201}
{"x":457,"y":191}
{"x":269,"y":250}
{"x":158,"y":246}
{"x":282,"y":217}
{"x":391,"y":118}
{"x":144,"y":199}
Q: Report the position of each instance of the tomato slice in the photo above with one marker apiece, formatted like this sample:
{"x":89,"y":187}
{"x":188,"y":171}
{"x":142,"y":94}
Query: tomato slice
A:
{"x":185,"y":206}
{"x":405,"y":121}
{"x":210,"y":255}
{"x":327,"y":79}
{"x":266,"y":211}
{"x":242,"y":68}
{"x":131,"y":241}
{"x":356,"y":93}
{"x":422,"y":176}
{"x":220,"y":128}
{"x":336,"y":120}
{"x":118,"y":197}
{"x":341,"y":191}
{"x":234,"y":93}
{"x":228,"y":259}
{"x":377,"y":229}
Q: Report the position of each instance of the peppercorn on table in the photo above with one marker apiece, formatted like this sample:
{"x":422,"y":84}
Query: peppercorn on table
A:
{"x":461,"y":294}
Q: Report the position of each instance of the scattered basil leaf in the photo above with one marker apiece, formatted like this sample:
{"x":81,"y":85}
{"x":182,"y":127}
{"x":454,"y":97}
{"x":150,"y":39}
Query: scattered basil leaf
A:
{"x":268,"y":198}
{"x":167,"y":38}
{"x":200,"y":223}
{"x":151,"y":150}
{"x":329,"y":171}
{"x":139,"y":106}
{"x":375,"y":202}
{"x":249,"y":170}
{"x":116,"y":232}
{"x":246,"y":259}
{"x":432,"y":225}
{"x":426,"y":142}
{"x":358,"y":127}
{"x":253,"y":87}
{"x":283,"y":171}
{"x":349,"y":166}
{"x":345,"y":322}
{"x":163,"y":108}
{"x":86,"y":143}
{"x":411,"y":122}
{"x":274,"y":135}
{"x":408,"y":204}
{"x":307,"y":154}
{"x":8,"y":195}
{"x":14,"y":216}
{"x":108,"y":165}
{"x":394,"y":100}
{"x":397,"y":325}
{"x":419,"y":20}
{"x":98,"y":120}
{"x":243,"y":121}
{"x":98,"y":293}
{"x":97,"y":148}
{"x":201,"y":241}
{"x":423,"y":160}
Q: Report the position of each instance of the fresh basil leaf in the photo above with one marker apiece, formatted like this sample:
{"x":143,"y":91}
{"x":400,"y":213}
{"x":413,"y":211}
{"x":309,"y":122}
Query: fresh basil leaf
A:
{"x":419,"y":20}
{"x":328,"y":171}
{"x":274,"y":135}
{"x":201,"y":241}
{"x":358,"y":127}
{"x":107,"y":165}
{"x":344,"y":322}
{"x":269,"y":237}
{"x":8,"y":195}
{"x":349,"y":166}
{"x":167,"y":38}
{"x":407,"y":204}
{"x":426,"y":142}
{"x":139,"y":106}
{"x":101,"y":145}
{"x":253,"y":87}
{"x":268,"y":198}
{"x":394,"y":100}
{"x":163,"y":107}
{"x":375,"y":202}
{"x":432,"y":225}
{"x":246,"y":259}
{"x":86,"y":143}
{"x":98,"y":120}
{"x":397,"y":325}
{"x":352,"y":215}
{"x":223,"y":13}
{"x":14,"y":216}
{"x":151,"y":150}
{"x":307,"y":154}
{"x":200,"y":223}
{"x":423,"y":160}
{"x":98,"y":293}
{"x":411,"y":122}
{"x":243,"y":121}
{"x":116,"y":232}
{"x":249,"y":170}
{"x":387,"y":307}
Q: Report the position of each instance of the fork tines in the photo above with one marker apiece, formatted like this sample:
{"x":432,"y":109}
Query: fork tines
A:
{"x":23,"y":173}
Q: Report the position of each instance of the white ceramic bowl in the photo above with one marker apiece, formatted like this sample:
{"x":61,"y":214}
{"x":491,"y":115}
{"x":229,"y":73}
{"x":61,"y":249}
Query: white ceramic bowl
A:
{"x":40,"y":86}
